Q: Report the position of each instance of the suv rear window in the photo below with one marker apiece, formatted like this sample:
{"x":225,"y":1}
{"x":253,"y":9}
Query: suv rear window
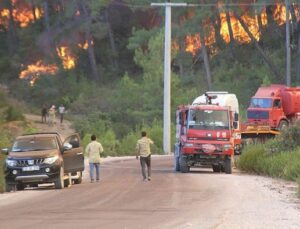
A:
{"x":34,"y":144}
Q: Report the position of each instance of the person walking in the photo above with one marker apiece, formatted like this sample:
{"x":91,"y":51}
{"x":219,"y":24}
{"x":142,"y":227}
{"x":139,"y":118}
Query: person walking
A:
{"x":61,"y":111}
{"x":52,"y":112}
{"x":93,"y":151}
{"x":143,"y":150}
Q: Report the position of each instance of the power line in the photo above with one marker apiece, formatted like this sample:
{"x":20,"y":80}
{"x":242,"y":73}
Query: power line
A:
{"x":220,"y":5}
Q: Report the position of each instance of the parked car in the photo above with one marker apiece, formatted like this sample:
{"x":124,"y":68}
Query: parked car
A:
{"x":43,"y":158}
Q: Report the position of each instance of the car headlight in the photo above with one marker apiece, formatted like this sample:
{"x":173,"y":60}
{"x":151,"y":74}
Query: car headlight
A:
{"x":227,"y":146}
{"x":50,"y":160}
{"x":11,"y":163}
{"x":189,"y":144}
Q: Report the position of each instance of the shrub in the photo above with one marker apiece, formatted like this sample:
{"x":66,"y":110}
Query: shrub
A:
{"x":13,"y":114}
{"x":251,"y":159}
{"x":287,"y":140}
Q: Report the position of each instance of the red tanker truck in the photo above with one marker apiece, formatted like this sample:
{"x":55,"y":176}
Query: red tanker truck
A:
{"x":271,"y":109}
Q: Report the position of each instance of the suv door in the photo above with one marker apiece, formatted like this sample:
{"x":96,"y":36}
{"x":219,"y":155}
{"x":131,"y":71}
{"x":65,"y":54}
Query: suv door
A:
{"x":73,"y":158}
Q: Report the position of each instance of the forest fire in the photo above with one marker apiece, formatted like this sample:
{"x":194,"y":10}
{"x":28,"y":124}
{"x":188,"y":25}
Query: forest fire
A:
{"x":33,"y":71}
{"x":193,"y":43}
{"x":68,"y":60}
{"x":22,"y":13}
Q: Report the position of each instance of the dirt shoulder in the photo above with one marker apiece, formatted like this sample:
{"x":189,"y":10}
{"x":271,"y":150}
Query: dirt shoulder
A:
{"x":65,"y":129}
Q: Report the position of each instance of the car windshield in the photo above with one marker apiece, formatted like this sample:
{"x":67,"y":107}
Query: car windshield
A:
{"x":208,"y":119}
{"x":34,"y":144}
{"x":261,"y":103}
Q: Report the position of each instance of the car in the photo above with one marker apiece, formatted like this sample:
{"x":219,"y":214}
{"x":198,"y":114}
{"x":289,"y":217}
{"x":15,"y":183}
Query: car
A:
{"x":40,"y":158}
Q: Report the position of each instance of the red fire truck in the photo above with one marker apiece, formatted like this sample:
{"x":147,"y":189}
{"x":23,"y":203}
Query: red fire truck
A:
{"x":271,"y":109}
{"x":207,"y":132}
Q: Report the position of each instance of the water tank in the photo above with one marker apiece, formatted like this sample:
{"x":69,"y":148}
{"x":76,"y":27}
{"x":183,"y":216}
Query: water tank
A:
{"x":221,"y":98}
{"x":291,"y":101}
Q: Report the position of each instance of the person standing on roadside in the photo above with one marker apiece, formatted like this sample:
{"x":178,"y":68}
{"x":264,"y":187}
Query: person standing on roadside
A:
{"x":52,"y":112}
{"x":44,"y":114}
{"x":93,"y":151}
{"x":61,"y":111}
{"x":143,"y":150}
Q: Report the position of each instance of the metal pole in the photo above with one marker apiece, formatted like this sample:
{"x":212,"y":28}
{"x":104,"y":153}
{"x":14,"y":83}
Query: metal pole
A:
{"x":167,"y":82}
{"x":167,"y":75}
{"x":288,"y":46}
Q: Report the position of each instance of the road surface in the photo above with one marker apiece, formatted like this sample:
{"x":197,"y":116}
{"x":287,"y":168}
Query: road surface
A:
{"x":200,"y":199}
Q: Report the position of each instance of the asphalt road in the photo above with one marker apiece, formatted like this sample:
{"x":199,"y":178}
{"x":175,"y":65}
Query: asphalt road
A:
{"x":199,"y":199}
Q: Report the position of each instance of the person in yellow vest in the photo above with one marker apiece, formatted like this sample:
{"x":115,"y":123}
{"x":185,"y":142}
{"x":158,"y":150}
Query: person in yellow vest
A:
{"x":93,"y":151}
{"x":143,"y":150}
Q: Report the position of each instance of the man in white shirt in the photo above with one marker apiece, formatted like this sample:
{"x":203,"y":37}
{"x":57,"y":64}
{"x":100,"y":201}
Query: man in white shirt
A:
{"x":93,"y":151}
{"x":61,"y":111}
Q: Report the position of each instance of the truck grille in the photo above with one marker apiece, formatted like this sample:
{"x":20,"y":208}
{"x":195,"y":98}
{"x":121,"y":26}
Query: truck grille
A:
{"x":258,"y":115}
{"x":29,"y":162}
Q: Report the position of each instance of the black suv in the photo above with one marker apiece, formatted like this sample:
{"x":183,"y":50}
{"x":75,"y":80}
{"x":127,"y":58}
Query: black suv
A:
{"x":43,"y":158}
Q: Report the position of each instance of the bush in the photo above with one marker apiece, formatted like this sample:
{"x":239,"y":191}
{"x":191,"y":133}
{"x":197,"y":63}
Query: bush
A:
{"x":5,"y":141}
{"x":287,"y":140}
{"x":251,"y":158}
{"x":13,"y":114}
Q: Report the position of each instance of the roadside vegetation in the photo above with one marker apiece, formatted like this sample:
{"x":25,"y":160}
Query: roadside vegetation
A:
{"x":279,"y":157}
{"x":12,"y":123}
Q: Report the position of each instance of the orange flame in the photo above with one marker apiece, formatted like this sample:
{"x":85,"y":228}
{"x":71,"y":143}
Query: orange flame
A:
{"x":21,"y":13}
{"x":193,"y":43}
{"x":33,"y":71}
{"x":68,"y":60}
{"x":85,"y":45}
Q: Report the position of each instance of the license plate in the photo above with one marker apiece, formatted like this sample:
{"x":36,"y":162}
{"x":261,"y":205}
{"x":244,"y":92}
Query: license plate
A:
{"x":31,"y":168}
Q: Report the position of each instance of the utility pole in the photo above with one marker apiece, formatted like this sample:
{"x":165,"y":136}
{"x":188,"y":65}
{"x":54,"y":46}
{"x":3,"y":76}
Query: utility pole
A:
{"x":288,"y":45}
{"x":167,"y":74}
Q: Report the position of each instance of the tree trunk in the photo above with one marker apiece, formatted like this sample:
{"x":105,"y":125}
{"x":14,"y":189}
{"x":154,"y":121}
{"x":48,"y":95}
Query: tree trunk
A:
{"x":12,"y":33}
{"x":112,"y":42}
{"x":206,"y":62}
{"x":272,"y":67}
{"x":91,"y":52}
{"x":33,"y":10}
{"x":294,"y":18}
{"x":46,"y":15}
{"x":216,"y":17}
{"x":231,"y":42}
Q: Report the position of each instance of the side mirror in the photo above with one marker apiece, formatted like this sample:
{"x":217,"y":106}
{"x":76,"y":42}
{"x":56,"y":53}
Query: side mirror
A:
{"x":236,"y":117}
{"x":4,"y":151}
{"x":67,"y":146}
{"x":74,"y":143}
{"x":235,"y":125}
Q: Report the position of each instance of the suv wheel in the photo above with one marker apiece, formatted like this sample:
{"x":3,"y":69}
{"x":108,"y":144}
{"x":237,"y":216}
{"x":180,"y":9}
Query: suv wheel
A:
{"x":59,"y":181}
{"x":10,"y":187}
{"x":20,"y":186}
{"x":79,"y":180}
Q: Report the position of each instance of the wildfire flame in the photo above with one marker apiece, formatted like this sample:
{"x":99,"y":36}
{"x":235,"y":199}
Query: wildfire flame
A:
{"x":22,"y":13}
{"x":68,"y":60}
{"x":85,"y":45}
{"x":193,"y":43}
{"x":33,"y":71}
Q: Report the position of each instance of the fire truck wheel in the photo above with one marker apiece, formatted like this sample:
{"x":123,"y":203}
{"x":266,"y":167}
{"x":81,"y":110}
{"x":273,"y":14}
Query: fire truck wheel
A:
{"x":216,"y":168}
{"x":184,"y":168}
{"x":177,"y":165}
{"x":282,"y":125}
{"x":227,"y":165}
